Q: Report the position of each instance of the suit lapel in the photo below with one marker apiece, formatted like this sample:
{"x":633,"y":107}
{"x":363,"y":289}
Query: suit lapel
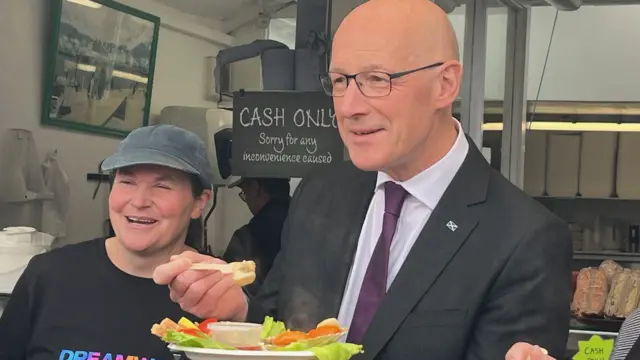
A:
{"x":341,"y":251}
{"x":448,"y":227}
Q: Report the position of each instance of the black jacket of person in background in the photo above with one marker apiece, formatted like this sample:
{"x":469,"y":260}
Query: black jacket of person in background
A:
{"x":259,"y":240}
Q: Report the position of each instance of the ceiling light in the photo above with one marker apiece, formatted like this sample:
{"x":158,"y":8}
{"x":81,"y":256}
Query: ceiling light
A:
{"x":566,"y":5}
{"x":569,"y":126}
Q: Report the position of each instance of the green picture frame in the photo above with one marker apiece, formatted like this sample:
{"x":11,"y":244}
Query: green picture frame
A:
{"x":100,"y":66}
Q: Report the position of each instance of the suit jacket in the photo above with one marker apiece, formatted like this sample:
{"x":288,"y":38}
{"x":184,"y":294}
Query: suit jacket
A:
{"x":503,"y":276}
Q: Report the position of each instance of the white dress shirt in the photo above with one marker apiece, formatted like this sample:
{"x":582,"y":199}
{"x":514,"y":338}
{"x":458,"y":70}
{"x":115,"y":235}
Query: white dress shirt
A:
{"x":425,"y":190}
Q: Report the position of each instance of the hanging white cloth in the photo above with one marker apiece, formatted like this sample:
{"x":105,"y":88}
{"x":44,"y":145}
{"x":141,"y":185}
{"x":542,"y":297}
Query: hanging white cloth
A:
{"x":54,"y":213}
{"x":21,"y":174}
{"x":22,"y":188}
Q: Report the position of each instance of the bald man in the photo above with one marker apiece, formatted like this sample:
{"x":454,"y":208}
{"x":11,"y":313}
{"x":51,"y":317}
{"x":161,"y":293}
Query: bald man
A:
{"x":417,"y":245}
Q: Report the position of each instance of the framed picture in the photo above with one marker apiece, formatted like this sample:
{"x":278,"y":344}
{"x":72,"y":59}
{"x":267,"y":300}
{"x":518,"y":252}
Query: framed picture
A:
{"x":100,"y":63}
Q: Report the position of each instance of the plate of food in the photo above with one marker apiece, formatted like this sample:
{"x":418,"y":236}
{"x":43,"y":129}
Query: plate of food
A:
{"x":222,"y":340}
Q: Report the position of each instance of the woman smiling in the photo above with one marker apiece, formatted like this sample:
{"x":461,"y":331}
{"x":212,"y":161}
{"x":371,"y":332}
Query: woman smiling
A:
{"x":96,"y":299}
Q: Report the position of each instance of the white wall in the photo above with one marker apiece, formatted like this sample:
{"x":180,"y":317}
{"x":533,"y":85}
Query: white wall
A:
{"x":594,"y":54}
{"x":178,"y":80}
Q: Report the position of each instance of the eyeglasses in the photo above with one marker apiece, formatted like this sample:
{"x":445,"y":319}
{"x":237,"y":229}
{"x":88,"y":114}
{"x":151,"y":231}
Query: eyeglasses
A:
{"x":370,"y":83}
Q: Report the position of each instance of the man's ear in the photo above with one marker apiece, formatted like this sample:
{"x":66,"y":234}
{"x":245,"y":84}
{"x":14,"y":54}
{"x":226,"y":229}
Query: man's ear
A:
{"x":450,"y":82}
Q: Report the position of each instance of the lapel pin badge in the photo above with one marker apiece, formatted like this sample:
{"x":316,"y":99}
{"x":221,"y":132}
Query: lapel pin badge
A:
{"x":452,"y":226}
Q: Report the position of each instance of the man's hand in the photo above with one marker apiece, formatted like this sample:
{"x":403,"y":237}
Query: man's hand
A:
{"x":203,"y":293}
{"x":525,"y":351}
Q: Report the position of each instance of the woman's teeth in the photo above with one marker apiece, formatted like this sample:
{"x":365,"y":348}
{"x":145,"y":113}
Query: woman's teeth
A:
{"x":136,"y":220}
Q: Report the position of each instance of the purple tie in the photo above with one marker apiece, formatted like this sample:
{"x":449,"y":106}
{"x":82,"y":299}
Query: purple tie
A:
{"x":374,"y":284}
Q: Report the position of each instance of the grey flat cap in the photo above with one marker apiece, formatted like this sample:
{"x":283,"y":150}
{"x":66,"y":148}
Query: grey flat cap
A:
{"x":164,"y":145}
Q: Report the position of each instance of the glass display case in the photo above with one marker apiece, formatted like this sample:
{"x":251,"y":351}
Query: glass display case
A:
{"x":577,"y":335}
{"x":561,"y":126}
{"x":601,"y":207}
{"x":4,"y":298}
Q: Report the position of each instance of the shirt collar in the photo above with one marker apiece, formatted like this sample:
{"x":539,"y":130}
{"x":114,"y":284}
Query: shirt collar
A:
{"x":429,"y":185}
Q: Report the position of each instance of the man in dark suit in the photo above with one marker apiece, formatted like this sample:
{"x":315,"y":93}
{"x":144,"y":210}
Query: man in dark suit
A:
{"x":418,"y":246}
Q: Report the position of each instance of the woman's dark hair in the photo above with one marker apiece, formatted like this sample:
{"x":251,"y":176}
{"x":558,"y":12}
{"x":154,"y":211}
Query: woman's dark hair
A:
{"x":195,"y":231}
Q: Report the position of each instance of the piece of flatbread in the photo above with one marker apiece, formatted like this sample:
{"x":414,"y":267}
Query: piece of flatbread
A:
{"x":243,"y":272}
{"x":165,"y":325}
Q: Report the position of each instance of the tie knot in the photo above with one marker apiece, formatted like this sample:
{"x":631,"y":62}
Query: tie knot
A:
{"x":394,"y":196}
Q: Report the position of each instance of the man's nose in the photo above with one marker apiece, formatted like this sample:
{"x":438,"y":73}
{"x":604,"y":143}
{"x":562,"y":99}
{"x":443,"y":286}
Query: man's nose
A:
{"x":353,"y":102}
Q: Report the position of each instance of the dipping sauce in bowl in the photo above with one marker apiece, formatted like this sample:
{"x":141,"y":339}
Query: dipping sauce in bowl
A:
{"x":244,"y":336}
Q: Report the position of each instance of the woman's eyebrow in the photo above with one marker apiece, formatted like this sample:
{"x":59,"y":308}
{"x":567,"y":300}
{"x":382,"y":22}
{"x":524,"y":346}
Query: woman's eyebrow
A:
{"x":169,"y":178}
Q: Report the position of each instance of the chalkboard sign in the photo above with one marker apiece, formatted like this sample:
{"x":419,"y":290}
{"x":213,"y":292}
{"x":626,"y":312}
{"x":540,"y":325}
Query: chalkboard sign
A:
{"x":284,"y":133}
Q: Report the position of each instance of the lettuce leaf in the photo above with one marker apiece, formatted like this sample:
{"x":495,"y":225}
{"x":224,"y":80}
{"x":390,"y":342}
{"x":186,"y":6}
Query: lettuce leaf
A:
{"x":333,"y":351}
{"x":336,"y":351}
{"x":271,"y":327}
{"x":186,"y":340}
{"x":323,"y":351}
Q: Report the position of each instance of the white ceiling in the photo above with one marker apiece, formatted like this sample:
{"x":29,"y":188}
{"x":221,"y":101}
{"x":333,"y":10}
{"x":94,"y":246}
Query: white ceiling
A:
{"x":232,"y":14}
{"x":228,"y":14}
{"x":212,"y":9}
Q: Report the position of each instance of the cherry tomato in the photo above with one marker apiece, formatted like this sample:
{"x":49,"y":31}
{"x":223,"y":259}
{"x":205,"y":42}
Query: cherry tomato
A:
{"x":204,"y":326}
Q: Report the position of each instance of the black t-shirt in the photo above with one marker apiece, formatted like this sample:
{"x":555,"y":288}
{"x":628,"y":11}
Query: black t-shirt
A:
{"x":73,"y":303}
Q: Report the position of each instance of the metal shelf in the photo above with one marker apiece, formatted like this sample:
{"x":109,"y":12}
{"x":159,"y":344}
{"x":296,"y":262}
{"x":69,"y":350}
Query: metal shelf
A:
{"x":592,"y":332}
{"x":611,"y":255}
{"x":564,"y":107}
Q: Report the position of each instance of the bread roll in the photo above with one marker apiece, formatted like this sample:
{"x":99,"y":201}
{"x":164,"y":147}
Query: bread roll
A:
{"x":633,"y":296}
{"x":591,"y":292}
{"x":610,"y":268}
{"x":618,"y":293}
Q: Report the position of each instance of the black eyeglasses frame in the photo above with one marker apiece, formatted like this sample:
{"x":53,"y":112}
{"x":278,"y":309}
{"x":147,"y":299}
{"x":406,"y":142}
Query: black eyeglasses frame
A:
{"x":396,"y":75}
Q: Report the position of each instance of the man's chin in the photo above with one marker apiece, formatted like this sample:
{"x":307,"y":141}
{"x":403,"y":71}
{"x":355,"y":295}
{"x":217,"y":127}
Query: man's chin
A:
{"x":366,"y":162}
